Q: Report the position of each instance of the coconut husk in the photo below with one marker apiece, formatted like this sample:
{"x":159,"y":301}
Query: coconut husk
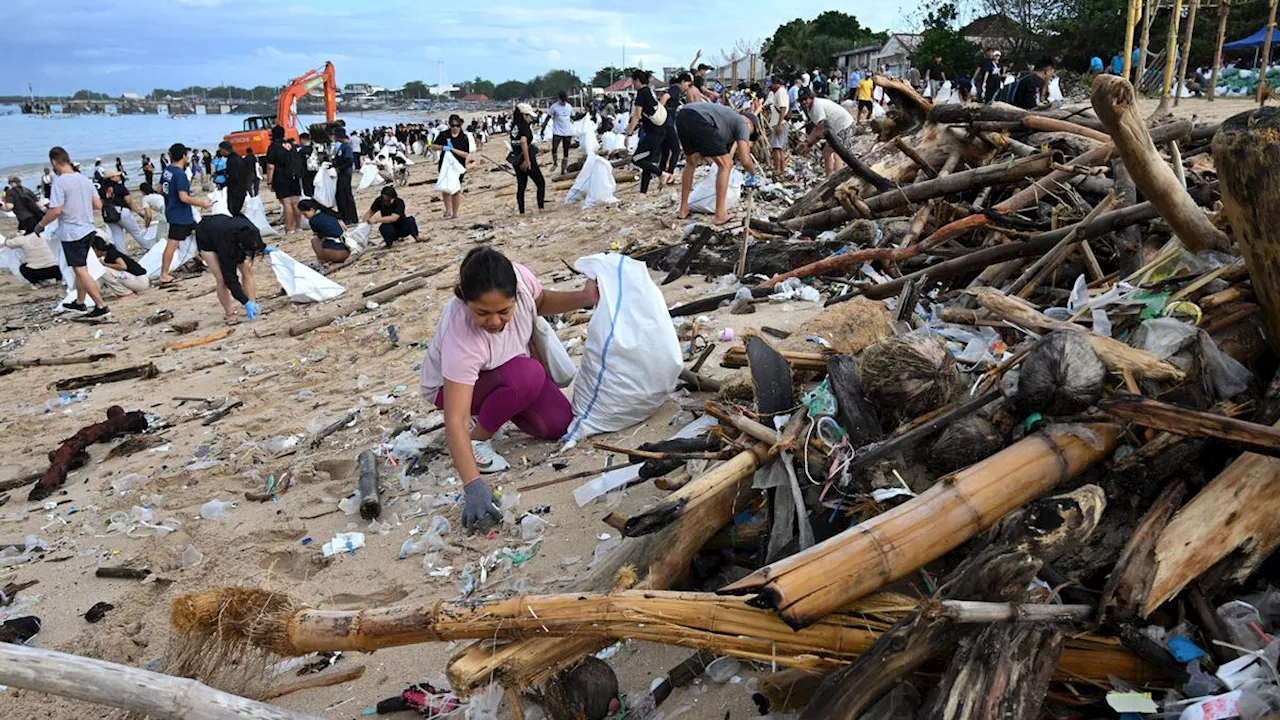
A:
{"x":963,"y":443}
{"x":1062,"y":375}
{"x":908,"y":376}
{"x":583,"y":692}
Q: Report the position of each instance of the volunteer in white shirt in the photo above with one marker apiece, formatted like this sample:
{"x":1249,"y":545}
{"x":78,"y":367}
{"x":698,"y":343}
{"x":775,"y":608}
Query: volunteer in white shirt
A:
{"x":560,"y":115}
{"x":778,"y":102}
{"x":824,"y":113}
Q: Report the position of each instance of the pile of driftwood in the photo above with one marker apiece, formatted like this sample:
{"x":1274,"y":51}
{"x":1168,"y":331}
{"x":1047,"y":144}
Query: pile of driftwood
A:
{"x":1037,"y":436}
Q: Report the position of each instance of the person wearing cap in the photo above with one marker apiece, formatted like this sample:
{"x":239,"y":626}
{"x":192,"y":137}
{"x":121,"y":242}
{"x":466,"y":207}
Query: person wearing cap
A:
{"x":283,"y":177}
{"x":114,"y":192}
{"x":700,"y":92}
{"x":344,"y":161}
{"x":778,"y":104}
{"x":175,"y":185}
{"x":865,"y":94}
{"x":988,"y":77}
{"x":524,"y":156}
{"x":455,"y":141}
{"x":714,"y":133}
{"x":826,"y":114}
{"x":23,"y":204}
{"x":72,"y":203}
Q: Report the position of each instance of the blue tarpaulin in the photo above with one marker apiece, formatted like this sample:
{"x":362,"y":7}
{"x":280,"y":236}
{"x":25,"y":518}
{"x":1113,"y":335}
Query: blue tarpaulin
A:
{"x":1255,"y":40}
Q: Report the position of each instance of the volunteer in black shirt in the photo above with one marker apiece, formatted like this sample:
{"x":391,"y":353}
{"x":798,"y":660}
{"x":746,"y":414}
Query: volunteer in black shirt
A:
{"x":283,"y":176}
{"x":393,"y":221}
{"x":228,"y":245}
{"x":455,"y":141}
{"x":122,"y":217}
{"x":1026,"y":94}
{"x":669,"y":155}
{"x":652,"y":134}
{"x":524,"y":156}
{"x":123,"y":276}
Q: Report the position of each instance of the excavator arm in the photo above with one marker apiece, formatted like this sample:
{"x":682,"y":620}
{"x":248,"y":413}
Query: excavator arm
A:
{"x":287,"y":109}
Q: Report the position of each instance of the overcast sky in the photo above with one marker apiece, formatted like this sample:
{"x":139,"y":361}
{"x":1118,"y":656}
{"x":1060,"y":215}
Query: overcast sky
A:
{"x":138,"y":45}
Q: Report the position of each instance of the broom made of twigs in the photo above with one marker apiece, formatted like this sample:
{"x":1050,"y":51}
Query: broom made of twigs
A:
{"x":279,"y":624}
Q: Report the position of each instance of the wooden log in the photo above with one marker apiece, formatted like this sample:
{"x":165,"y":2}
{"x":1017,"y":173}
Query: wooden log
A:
{"x":997,"y":572}
{"x":1234,"y":514}
{"x":128,"y":688}
{"x":864,"y":558}
{"x":1170,"y":59}
{"x":315,"y":681}
{"x":1130,"y":579}
{"x":855,"y":163}
{"x":1002,"y":672}
{"x":46,"y":361}
{"x":736,"y":357}
{"x":819,"y":194}
{"x":977,"y":611}
{"x":699,"y":382}
{"x":220,"y":413}
{"x":694,"y":241}
{"x":145,"y":371}
{"x":122,"y":573}
{"x":1253,"y":437}
{"x":1117,"y":356}
{"x":429,"y":272}
{"x":1246,"y":152}
{"x":367,"y":484}
{"x":327,"y":318}
{"x":915,"y":105}
{"x":667,"y":511}
{"x":332,"y":428}
{"x":1035,"y":273}
{"x":910,"y":152}
{"x":118,"y":423}
{"x":1114,"y":100}
{"x":196,"y":342}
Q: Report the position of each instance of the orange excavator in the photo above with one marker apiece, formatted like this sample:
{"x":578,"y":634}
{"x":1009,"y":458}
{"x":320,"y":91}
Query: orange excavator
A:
{"x":256,"y":135}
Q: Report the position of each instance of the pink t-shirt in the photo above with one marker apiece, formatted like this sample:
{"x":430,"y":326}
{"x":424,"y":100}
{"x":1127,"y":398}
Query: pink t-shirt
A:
{"x":471,"y":348}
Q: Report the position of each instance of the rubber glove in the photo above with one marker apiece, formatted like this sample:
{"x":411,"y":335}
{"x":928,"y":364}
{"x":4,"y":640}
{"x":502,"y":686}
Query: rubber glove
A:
{"x":480,"y":511}
{"x":270,"y":249}
{"x":251,"y":310}
{"x":750,"y":180}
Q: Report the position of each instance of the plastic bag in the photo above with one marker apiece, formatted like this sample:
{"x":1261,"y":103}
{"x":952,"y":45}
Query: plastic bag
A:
{"x":594,"y":185}
{"x":155,"y":255}
{"x":611,"y":141}
{"x":219,"y":200}
{"x":702,"y":198}
{"x":257,"y":214}
{"x":369,"y":175}
{"x":357,"y":238}
{"x":11,"y":259}
{"x":300,"y":282}
{"x":450,"y":180}
{"x":552,"y":353}
{"x":326,"y":187}
{"x":631,"y":359}
{"x":1171,"y":340}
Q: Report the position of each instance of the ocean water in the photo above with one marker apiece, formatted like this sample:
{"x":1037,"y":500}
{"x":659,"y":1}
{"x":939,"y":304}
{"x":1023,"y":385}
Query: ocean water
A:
{"x":25,"y":139}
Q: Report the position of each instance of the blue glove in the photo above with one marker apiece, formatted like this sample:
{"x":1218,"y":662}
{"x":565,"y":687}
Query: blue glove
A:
{"x":750,"y":180}
{"x":480,"y":511}
{"x":251,"y":310}
{"x":270,"y":249}
{"x":448,"y":145}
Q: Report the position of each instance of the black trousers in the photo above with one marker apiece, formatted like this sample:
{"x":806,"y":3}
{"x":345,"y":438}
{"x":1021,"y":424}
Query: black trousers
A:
{"x":235,"y":199}
{"x":39,"y":275}
{"x":648,"y":152}
{"x":670,"y":154}
{"x":522,"y":181}
{"x":346,"y":200}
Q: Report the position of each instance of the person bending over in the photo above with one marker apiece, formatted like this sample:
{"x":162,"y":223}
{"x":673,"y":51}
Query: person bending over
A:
{"x":393,"y":221}
{"x":228,"y":245}
{"x":824,"y":114}
{"x":123,"y":276}
{"x":488,"y":372}
{"x":328,"y":230}
{"x":39,"y":265}
{"x":714,"y":133}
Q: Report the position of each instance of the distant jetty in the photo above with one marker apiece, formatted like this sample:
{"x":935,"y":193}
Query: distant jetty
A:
{"x":175,"y":107}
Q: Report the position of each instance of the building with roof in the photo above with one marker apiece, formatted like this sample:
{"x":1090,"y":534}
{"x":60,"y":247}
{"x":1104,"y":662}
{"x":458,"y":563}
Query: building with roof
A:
{"x":893,"y":57}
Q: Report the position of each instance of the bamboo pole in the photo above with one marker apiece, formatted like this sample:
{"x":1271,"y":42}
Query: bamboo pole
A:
{"x":723,"y":625}
{"x":1186,"y":51}
{"x":383,"y":297}
{"x":194,"y":342}
{"x":811,"y":584}
{"x":1266,"y":53}
{"x":1149,"y":9}
{"x":128,"y":688}
{"x":42,"y":361}
{"x":1131,"y":19}
{"x":1224,"y":9}
{"x":1171,"y":56}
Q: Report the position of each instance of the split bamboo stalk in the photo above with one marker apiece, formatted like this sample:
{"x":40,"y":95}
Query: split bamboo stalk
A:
{"x":809,"y":585}
{"x":1117,"y":356}
{"x":1116,"y":105}
{"x":723,"y":625}
{"x":1266,"y":53}
{"x":1149,"y":8}
{"x":1170,"y":57}
{"x":736,"y":357}
{"x":1224,"y":9}
{"x":128,"y":688}
{"x":1186,"y":53}
{"x":194,"y":342}
{"x":1130,"y":20}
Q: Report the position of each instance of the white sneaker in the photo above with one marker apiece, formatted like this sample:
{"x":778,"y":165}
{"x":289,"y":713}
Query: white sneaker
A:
{"x":487,"y":459}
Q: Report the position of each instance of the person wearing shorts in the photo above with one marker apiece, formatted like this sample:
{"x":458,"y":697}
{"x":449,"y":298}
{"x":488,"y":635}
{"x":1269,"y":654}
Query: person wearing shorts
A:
{"x":178,"y":201}
{"x":778,"y":101}
{"x":282,"y":159}
{"x":826,"y":115}
{"x":714,"y":133}
{"x":72,"y":202}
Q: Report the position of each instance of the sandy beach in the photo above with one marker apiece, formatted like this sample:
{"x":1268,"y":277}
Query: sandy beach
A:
{"x":291,"y":385}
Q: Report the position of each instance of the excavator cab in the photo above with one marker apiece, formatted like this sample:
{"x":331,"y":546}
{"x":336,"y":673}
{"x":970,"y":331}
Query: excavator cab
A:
{"x":259,"y":122}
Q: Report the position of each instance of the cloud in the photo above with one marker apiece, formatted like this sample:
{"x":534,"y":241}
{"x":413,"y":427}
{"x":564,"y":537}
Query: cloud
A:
{"x":553,"y":57}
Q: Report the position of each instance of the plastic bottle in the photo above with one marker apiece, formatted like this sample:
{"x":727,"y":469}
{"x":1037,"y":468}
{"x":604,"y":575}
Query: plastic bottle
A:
{"x":214,"y":509}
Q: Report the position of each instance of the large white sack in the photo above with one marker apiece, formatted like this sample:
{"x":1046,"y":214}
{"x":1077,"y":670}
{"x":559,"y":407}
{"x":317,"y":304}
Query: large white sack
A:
{"x":612,"y":141}
{"x":301,"y":283}
{"x":11,"y":259}
{"x":450,"y":180}
{"x":633,"y":144}
{"x":326,"y":186}
{"x":219,"y":200}
{"x":631,"y":360}
{"x":150,"y":235}
{"x":1055,"y":90}
{"x":357,"y":238}
{"x":594,"y":185}
{"x":155,"y":255}
{"x":257,"y":214}
{"x":369,"y":175}
{"x":702,"y":198}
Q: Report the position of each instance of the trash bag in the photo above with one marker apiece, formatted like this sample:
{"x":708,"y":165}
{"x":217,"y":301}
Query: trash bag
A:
{"x":155,"y":255}
{"x":326,"y":186}
{"x":301,"y":283}
{"x":595,"y":184}
{"x":368,"y":176}
{"x":633,"y":144}
{"x":611,"y":141}
{"x":632,"y":359}
{"x":1055,"y":90}
{"x":357,"y":238}
{"x":702,"y":198}
{"x":11,"y":259}
{"x":219,"y":200}
{"x":257,"y":214}
{"x":450,"y":180}
{"x":150,"y":236}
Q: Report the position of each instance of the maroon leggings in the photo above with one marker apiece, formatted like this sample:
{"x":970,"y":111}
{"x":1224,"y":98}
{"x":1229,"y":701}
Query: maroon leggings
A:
{"x":521,"y":391}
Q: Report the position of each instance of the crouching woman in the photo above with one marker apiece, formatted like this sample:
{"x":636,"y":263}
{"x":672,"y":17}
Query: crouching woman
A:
{"x":479,"y":366}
